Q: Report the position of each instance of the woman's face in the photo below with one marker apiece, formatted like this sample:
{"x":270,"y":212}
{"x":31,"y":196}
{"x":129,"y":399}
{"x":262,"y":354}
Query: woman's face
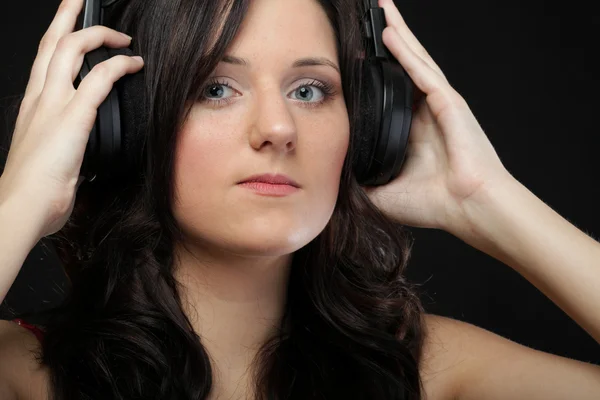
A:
{"x":265,"y":111}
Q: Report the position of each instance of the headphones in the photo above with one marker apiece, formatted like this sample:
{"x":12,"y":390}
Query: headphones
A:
{"x":385,"y":101}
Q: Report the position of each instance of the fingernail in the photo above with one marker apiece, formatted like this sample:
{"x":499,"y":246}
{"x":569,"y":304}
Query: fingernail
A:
{"x":127,"y":36}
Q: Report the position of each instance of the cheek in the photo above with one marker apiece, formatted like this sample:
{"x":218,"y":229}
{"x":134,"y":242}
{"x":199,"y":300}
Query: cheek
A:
{"x":201,"y":163}
{"x":322,"y":161}
{"x":327,"y":151}
{"x":202,"y":179}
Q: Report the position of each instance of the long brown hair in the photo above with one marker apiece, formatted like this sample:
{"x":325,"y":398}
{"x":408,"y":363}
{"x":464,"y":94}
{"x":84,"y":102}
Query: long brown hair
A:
{"x":352,"y":326}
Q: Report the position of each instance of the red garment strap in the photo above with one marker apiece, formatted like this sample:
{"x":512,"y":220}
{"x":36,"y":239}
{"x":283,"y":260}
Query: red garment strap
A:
{"x":36,"y":331}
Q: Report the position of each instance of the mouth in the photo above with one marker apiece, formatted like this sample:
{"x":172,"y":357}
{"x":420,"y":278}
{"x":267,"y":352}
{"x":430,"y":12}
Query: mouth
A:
{"x":272,"y":180}
{"x":270,"y":185}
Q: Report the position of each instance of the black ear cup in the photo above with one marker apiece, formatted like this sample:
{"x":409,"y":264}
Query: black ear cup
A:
{"x":385,"y":114}
{"x":114,"y":149}
{"x":385,"y":121}
{"x":134,"y":118}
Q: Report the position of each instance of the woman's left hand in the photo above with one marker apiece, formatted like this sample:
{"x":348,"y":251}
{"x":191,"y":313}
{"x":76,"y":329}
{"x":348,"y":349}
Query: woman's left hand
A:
{"x":450,"y":160}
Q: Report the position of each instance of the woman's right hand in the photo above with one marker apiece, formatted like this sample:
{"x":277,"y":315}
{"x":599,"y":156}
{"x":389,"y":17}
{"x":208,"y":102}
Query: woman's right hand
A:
{"x":55,"y":119}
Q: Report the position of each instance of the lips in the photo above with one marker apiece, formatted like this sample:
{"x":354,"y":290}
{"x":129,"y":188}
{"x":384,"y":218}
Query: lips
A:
{"x":272,"y":179}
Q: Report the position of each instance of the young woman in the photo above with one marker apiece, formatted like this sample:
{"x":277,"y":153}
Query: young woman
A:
{"x":188,"y":284}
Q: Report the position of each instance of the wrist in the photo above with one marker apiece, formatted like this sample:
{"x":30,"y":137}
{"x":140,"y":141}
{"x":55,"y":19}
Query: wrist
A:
{"x":19,"y":233}
{"x":20,"y":214}
{"x":485,"y":219}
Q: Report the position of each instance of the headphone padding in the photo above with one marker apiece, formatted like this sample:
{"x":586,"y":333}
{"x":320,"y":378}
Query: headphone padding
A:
{"x":371,"y":107}
{"x":133,"y":117}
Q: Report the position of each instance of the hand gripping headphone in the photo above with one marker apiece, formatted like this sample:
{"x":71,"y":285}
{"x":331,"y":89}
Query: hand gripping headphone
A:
{"x":386,"y":108}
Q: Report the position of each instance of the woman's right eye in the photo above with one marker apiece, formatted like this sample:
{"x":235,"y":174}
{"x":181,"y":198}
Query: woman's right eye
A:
{"x":217,"y":93}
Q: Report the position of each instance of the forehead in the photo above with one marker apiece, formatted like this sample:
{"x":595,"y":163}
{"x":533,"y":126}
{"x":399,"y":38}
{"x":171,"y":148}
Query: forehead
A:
{"x":285,"y":26}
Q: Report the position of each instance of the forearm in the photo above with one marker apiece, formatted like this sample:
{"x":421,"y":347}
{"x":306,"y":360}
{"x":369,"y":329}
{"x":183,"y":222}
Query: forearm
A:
{"x":19,"y":233}
{"x":517,"y":228}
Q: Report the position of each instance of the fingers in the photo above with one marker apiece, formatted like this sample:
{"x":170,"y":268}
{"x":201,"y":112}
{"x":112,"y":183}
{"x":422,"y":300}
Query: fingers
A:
{"x":425,"y":73}
{"x":438,"y":91}
{"x":96,"y":86}
{"x":63,"y":23}
{"x":394,"y":19}
{"x":70,"y":50}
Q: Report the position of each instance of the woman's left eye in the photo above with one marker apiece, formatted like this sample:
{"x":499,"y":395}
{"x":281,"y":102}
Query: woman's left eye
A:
{"x":314,"y":92}
{"x":309,"y":94}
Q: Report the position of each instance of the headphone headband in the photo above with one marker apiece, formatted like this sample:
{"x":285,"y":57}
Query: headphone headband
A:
{"x":374,"y":23}
{"x":93,"y":14}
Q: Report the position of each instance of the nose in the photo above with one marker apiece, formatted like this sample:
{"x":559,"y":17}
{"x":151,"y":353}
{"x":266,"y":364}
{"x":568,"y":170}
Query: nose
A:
{"x":273,"y":122}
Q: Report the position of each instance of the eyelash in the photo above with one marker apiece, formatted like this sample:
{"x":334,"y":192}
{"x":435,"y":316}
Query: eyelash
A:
{"x":325,"y":87}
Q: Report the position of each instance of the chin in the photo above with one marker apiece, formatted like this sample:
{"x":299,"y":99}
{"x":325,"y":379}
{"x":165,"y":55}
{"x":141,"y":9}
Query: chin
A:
{"x":268,"y":233}
{"x":272,"y":242}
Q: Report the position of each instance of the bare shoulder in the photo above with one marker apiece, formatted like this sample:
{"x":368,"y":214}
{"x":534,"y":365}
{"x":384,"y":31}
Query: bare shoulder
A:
{"x":441,"y":360}
{"x":463,"y":361}
{"x":21,"y":376}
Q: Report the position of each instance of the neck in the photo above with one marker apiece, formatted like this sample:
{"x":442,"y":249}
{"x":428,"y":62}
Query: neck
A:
{"x":235,"y":303}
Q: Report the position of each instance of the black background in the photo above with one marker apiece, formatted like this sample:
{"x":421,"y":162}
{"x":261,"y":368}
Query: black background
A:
{"x":529,"y":72}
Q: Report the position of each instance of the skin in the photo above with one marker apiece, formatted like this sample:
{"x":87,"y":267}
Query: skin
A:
{"x":239,"y":245}
{"x":238,"y":274}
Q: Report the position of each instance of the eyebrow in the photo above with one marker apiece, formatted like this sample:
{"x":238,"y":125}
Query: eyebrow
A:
{"x":302,"y":62}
